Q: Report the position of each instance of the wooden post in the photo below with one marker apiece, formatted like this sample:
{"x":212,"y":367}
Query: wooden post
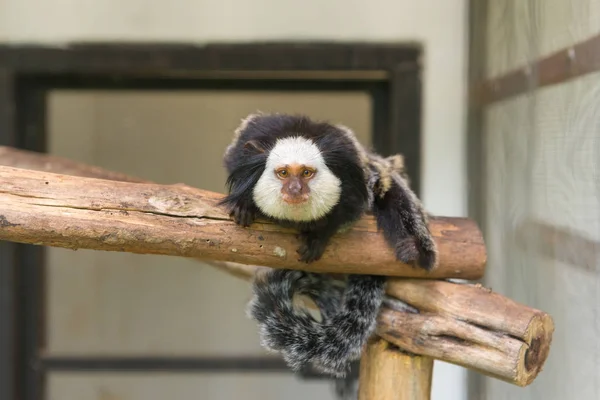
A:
{"x":388,"y":373}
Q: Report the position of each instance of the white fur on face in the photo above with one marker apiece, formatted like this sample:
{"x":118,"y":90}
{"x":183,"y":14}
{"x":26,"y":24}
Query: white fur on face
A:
{"x":325,"y":187}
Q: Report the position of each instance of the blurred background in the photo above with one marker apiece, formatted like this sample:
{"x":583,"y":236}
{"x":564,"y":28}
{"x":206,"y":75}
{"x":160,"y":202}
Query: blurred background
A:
{"x":494,"y":103}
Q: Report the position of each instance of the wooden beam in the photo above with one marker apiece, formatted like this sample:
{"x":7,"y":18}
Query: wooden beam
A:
{"x":559,"y":243}
{"x":563,"y":65}
{"x":86,"y":213}
{"x":167,"y":59}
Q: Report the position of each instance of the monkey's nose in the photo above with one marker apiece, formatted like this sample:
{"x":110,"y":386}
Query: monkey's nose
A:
{"x":294,"y":188}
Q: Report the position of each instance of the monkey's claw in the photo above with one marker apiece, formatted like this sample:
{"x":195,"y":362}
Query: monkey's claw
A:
{"x":421,"y":255}
{"x":406,"y":250}
{"x":243,"y":215}
{"x":311,"y":249}
{"x":427,"y":256}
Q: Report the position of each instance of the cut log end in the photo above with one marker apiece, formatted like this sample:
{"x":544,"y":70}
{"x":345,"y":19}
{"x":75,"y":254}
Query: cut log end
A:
{"x":499,"y":338}
{"x":533,"y":355}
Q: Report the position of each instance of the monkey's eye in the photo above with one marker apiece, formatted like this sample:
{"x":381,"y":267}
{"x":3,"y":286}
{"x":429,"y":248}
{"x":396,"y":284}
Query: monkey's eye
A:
{"x":307,"y":173}
{"x":282,"y":173}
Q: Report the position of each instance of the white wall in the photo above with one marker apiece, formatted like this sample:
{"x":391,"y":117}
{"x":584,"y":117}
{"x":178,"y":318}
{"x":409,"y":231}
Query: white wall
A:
{"x":441,"y":25}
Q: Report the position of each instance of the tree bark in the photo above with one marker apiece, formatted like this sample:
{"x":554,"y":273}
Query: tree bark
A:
{"x":78,"y":212}
{"x":460,"y":323}
{"x":387,"y":373}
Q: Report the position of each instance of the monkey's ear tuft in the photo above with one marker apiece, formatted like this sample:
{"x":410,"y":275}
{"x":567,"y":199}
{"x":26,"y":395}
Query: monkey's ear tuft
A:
{"x":249,"y":119}
{"x":254,"y":146}
{"x":245,"y":122}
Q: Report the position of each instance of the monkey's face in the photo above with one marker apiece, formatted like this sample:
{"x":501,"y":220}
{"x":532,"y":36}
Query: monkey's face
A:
{"x":296,"y":185}
{"x":295,"y":180}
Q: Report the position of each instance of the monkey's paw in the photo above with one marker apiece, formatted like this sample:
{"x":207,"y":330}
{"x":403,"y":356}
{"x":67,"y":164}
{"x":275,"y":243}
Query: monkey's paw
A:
{"x":243,"y":215}
{"x":406,"y":250}
{"x":422,"y":255}
{"x":311,"y":249}
{"x":427,"y":260}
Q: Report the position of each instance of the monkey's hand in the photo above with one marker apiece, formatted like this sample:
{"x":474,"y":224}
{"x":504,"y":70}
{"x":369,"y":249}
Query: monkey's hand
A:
{"x":243,"y":213}
{"x":428,"y":255}
{"x":423,"y":253}
{"x":312,"y":247}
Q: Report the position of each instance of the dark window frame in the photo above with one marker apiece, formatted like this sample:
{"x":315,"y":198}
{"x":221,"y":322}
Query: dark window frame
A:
{"x":390,"y":73}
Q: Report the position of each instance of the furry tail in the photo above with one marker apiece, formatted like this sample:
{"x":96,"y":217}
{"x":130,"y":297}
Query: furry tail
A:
{"x":348,"y":317}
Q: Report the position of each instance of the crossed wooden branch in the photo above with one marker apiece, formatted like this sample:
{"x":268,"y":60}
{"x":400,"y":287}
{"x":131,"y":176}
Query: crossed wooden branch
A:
{"x":51,"y":201}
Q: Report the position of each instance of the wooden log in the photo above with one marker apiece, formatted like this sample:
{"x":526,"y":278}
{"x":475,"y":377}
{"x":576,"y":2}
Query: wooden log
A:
{"x":18,"y":158}
{"x":469,"y":325}
{"x":511,"y":338}
{"x":77,"y":212}
{"x":387,"y":373}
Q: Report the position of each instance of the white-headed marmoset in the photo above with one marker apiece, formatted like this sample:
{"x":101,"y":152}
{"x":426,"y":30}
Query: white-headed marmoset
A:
{"x":317,"y":178}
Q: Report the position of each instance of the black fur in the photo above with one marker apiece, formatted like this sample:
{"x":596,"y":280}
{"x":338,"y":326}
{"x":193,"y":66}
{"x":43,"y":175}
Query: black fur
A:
{"x":401,"y":218}
{"x":349,"y":315}
{"x":245,"y":165}
{"x":348,"y":318}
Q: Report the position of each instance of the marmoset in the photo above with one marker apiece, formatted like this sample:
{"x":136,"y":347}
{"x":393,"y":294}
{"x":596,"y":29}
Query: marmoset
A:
{"x":317,"y":178}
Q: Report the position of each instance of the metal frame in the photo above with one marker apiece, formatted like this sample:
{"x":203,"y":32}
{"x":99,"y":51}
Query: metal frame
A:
{"x":8,"y":260}
{"x":390,"y":73}
{"x":476,"y":142}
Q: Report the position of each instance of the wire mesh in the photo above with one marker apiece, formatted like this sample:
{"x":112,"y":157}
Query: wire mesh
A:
{"x":542,"y":191}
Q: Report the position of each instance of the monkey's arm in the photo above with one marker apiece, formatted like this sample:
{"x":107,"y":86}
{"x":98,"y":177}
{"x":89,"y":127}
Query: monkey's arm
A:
{"x":243,"y":175}
{"x":404,"y":224}
{"x":240,"y":205}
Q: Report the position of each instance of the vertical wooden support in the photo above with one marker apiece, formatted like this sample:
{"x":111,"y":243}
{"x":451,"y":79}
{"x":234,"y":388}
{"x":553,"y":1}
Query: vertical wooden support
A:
{"x":387,"y":373}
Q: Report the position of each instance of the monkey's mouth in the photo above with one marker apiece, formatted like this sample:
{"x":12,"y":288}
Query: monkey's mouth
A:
{"x":295,"y":200}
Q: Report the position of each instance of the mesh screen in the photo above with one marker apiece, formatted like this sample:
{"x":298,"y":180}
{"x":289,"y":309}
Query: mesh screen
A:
{"x":518,"y":31}
{"x":542,"y":198}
